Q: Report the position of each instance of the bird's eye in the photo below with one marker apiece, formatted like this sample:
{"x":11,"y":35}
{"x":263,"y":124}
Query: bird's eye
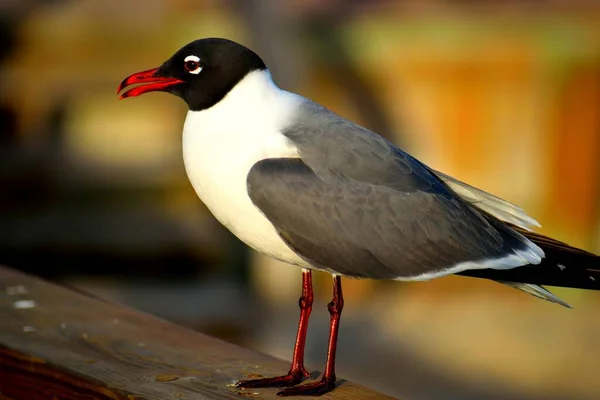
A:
{"x":192,"y":64}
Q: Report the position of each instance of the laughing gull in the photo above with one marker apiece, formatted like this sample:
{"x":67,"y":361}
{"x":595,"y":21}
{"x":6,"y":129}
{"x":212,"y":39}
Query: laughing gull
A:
{"x":308,"y":187}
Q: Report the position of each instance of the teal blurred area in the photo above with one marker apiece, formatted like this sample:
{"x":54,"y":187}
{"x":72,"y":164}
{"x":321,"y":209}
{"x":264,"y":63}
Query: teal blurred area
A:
{"x":504,"y":95}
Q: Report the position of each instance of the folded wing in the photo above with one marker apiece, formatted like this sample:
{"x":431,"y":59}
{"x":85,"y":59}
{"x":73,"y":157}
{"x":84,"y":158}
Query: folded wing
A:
{"x":489,"y":203}
{"x":361,"y":229}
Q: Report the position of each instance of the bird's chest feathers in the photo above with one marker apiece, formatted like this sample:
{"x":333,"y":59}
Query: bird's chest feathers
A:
{"x":219,"y":151}
{"x":221,"y":155}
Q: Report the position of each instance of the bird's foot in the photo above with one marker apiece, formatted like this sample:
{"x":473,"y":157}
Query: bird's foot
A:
{"x":311,"y":389}
{"x":293,"y":377}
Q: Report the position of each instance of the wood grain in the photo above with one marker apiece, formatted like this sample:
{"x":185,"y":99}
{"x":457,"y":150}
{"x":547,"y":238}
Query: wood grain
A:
{"x":59,"y":344}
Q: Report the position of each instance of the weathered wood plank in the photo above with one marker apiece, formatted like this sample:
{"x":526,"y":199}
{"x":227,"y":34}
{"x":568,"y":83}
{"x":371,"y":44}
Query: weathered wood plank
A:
{"x":59,"y":344}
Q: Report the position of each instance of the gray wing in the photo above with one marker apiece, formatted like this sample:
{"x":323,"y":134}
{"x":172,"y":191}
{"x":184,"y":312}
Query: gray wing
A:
{"x":364,"y":230}
{"x":370,"y":158}
{"x":489,"y":203}
{"x":357,"y":205}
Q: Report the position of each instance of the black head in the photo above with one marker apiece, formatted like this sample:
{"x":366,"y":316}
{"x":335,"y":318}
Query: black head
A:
{"x":201,"y":73}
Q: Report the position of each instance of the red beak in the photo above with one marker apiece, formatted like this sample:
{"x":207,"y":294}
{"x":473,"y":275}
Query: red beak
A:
{"x":150,"y":81}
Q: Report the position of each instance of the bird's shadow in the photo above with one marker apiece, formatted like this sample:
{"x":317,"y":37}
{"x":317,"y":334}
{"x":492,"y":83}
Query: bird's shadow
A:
{"x":314,"y":375}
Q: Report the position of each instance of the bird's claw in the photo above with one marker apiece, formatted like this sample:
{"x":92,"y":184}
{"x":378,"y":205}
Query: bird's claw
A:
{"x":311,"y":389}
{"x":292,"y":378}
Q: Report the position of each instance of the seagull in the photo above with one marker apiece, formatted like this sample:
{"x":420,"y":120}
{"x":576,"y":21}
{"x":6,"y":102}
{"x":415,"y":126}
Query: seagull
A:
{"x":299,"y":183}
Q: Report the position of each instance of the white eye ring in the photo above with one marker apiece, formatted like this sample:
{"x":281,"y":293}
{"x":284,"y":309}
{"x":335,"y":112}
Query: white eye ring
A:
{"x":192,"y":65}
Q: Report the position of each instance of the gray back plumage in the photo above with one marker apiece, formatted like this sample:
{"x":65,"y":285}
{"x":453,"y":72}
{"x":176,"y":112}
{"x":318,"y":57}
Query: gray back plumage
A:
{"x":357,"y":205}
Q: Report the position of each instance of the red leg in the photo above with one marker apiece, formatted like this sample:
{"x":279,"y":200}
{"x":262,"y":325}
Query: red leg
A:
{"x":327,"y":382}
{"x":297,"y":371}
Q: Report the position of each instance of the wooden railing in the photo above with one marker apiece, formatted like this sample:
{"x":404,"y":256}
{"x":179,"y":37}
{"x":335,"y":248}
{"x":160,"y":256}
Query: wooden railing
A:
{"x":56,"y":343}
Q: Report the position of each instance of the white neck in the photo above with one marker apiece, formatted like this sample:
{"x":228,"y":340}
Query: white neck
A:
{"x":256,"y":100}
{"x":222,"y":143}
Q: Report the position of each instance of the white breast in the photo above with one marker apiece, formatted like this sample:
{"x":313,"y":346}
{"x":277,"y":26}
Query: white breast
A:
{"x":222,"y":143}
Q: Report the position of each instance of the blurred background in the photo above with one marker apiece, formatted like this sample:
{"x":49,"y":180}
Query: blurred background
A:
{"x":503,"y":94}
